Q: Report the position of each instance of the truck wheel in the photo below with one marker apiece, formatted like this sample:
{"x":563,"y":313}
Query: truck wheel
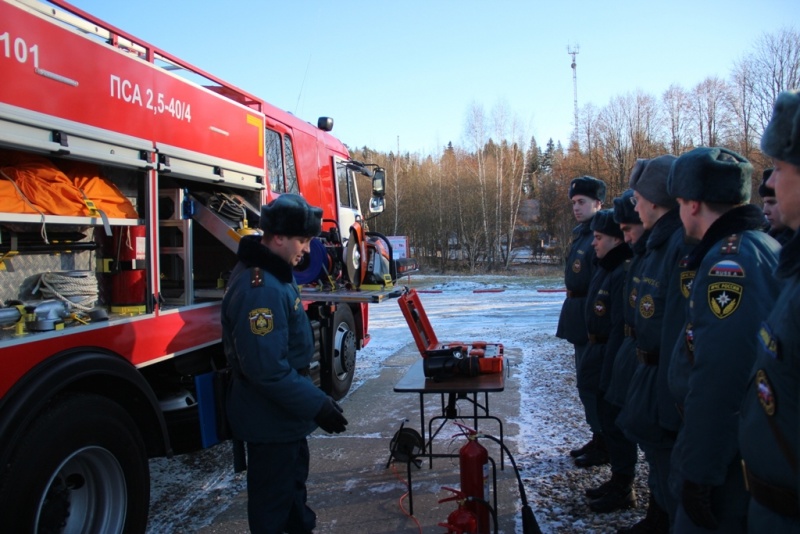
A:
{"x":342,"y":357}
{"x":81,"y":467}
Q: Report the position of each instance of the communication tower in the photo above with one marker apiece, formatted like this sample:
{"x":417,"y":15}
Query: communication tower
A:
{"x":573,"y":51}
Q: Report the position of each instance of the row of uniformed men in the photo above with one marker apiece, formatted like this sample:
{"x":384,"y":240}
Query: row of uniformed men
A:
{"x":667,"y":296}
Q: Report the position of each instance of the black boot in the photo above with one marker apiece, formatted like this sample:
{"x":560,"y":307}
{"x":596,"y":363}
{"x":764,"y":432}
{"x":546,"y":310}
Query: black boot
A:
{"x":599,"y":491}
{"x":583,"y":450}
{"x":620,"y":495}
{"x":596,"y":456}
{"x":656,"y":521}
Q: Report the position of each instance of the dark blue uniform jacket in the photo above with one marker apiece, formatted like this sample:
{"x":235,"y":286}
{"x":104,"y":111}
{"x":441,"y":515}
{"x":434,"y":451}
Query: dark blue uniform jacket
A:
{"x":625,"y":361}
{"x":733,"y":290}
{"x":640,"y":418}
{"x":604,"y":319}
{"x":577,"y":276}
{"x":267,"y":339}
{"x":770,"y":417}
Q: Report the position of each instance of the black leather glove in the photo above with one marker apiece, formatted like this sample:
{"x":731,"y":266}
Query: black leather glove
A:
{"x":330,"y":418}
{"x":696,"y":501}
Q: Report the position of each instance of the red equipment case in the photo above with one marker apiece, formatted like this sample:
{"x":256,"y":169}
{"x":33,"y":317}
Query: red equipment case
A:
{"x":490,"y":354}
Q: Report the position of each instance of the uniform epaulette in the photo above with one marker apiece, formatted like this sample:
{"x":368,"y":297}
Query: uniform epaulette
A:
{"x":731,"y":244}
{"x":256,"y":277}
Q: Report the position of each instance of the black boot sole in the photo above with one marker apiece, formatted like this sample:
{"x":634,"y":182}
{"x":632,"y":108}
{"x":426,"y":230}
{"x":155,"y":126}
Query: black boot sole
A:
{"x":591,"y":460}
{"x":604,"y":505}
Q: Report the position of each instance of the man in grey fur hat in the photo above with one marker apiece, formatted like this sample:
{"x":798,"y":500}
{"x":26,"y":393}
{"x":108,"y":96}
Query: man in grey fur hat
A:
{"x":768,"y":429}
{"x":732,"y":291}
{"x":648,"y":416}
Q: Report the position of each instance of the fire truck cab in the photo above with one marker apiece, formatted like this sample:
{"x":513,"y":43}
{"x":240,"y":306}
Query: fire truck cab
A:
{"x":127,"y":179}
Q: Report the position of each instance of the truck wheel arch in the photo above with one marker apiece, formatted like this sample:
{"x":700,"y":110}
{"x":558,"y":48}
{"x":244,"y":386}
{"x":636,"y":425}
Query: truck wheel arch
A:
{"x":88,"y":371}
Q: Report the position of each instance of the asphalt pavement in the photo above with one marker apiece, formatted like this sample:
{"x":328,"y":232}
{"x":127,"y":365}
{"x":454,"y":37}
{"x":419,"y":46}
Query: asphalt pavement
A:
{"x":353,"y":491}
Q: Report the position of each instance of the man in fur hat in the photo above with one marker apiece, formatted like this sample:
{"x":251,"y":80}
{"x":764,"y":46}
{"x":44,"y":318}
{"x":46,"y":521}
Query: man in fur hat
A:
{"x":648,"y":416}
{"x":732,"y":291}
{"x":622,"y":452}
{"x":605,"y":323}
{"x":768,"y":431}
{"x":587,"y":195}
{"x":273,"y":405}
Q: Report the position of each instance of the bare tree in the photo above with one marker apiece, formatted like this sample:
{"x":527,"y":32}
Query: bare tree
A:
{"x":677,"y":107}
{"x":644,"y":126}
{"x":590,"y":143}
{"x":476,"y":133}
{"x":774,"y":66}
{"x":742,"y":108}
{"x":509,"y":176}
{"x":615,"y":140}
{"x":709,"y":99}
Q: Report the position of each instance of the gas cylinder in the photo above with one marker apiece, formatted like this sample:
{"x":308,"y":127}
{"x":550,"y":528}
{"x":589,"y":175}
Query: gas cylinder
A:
{"x":129,"y":278}
{"x":460,"y":520}
{"x":473,"y":462}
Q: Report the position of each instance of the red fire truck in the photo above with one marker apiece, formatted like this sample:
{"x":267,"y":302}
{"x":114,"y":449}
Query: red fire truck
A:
{"x":127,"y":178}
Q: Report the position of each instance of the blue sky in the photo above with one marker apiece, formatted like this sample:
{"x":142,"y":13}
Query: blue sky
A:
{"x":409,"y":71}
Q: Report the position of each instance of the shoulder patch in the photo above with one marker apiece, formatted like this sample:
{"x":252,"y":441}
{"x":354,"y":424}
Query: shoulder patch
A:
{"x":724,"y":298}
{"x":688,"y":334}
{"x":261,"y":322}
{"x":687,"y":279}
{"x":599,"y":308}
{"x":576,"y":266}
{"x":727,"y":268}
{"x":633,"y":297}
{"x":769,"y":342}
{"x":731,"y":244}
{"x":647,"y":306}
{"x":256,"y":277}
{"x":765,"y":392}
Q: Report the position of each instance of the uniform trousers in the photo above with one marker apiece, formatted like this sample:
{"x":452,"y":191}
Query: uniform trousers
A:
{"x":276,"y":488}
{"x":761,"y":519}
{"x":658,"y":479}
{"x":588,"y":398}
{"x":621,"y":451}
{"x":729,"y":504}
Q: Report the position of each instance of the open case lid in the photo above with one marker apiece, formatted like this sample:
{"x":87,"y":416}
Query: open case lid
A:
{"x":417,"y":320}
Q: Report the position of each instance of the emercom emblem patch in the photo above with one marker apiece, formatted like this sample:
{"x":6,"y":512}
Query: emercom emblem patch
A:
{"x":687,"y":279}
{"x":724,"y":298}
{"x":261,"y":321}
{"x":647,"y":306}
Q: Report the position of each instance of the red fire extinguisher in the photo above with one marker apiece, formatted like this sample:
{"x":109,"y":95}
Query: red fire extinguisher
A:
{"x":460,"y":520}
{"x":474,"y":465}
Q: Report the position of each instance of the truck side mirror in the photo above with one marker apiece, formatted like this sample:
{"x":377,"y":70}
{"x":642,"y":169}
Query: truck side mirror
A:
{"x":379,"y":182}
{"x":376,"y":205}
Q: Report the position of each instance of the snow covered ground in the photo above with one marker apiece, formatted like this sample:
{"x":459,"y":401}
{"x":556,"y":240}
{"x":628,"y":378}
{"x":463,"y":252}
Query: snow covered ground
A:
{"x":518,"y":311}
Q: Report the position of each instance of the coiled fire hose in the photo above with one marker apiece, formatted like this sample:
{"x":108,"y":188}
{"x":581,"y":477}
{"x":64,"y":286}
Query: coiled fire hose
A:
{"x":77,"y":289}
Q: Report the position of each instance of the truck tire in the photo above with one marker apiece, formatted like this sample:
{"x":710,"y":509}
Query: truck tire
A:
{"x":81,"y":467}
{"x":341,"y":360}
